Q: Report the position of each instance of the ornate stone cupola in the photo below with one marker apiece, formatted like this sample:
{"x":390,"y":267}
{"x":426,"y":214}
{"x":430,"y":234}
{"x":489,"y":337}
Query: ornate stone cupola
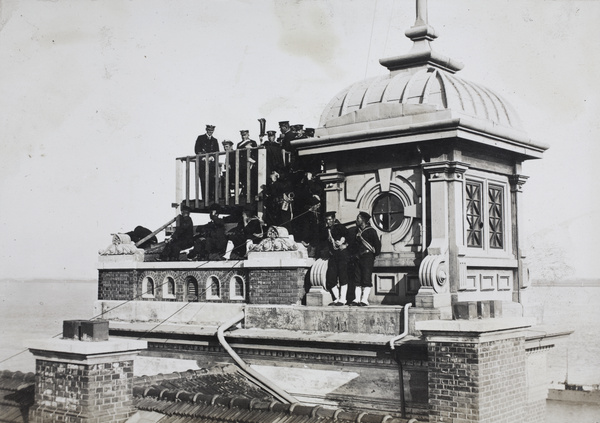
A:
{"x":436,"y":160}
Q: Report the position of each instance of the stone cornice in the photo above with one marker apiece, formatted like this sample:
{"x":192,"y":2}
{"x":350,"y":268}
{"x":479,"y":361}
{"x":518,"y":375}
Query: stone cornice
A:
{"x":409,"y":129}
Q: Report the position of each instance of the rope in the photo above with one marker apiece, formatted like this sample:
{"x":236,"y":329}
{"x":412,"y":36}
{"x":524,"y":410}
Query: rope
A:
{"x":157,"y":287}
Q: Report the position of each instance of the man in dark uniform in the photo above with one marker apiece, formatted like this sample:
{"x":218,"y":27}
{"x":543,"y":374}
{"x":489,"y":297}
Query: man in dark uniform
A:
{"x":336,"y":278}
{"x":247,"y":159}
{"x":248,"y":231}
{"x":228,"y":168}
{"x":274,"y":153}
{"x":211,"y":242}
{"x":206,"y":143}
{"x":286,"y":135}
{"x":182,"y":238}
{"x":368,"y":246}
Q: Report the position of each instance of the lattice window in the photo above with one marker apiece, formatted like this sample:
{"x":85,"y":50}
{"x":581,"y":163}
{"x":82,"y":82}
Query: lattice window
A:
{"x":496,"y":216}
{"x":474,"y":222}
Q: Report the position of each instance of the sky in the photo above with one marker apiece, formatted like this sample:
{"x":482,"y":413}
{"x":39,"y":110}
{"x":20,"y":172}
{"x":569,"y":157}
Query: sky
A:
{"x":98,"y":98}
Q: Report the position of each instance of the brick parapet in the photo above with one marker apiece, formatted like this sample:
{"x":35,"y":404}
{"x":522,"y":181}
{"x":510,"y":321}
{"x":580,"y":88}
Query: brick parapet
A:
{"x":83,"y":382}
{"x":277,"y":285}
{"x":256,"y":285}
{"x":83,"y":392}
{"x":477,"y":374}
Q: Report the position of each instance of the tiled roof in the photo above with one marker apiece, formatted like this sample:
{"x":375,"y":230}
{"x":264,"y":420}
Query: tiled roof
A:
{"x":225,"y":395}
{"x":16,"y":396}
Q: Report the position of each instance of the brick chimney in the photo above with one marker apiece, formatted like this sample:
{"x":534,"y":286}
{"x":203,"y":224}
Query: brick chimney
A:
{"x":84,"y":377}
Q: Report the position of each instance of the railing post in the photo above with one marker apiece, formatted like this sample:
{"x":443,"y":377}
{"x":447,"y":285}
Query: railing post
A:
{"x":205,"y":193}
{"x":262,"y":177}
{"x":248,"y":175}
{"x":226,"y":179}
{"x":178,"y":181}
{"x":237,"y":176}
{"x":187,"y":181}
{"x":197,"y":182}
{"x":217,"y":177}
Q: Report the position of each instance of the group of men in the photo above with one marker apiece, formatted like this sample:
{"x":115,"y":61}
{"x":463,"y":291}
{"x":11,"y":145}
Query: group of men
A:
{"x":351,"y":257}
{"x":292,"y":199}
{"x":207,"y":143}
{"x":350,"y":252}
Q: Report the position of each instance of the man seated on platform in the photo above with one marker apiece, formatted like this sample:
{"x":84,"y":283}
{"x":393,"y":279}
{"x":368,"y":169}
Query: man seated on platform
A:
{"x":182,"y":238}
{"x":249,"y":231}
{"x":211,"y":242}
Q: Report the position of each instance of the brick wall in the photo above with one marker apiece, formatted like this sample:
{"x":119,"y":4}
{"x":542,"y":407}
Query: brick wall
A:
{"x":116,"y":284}
{"x":131,"y":285}
{"x":277,"y":286}
{"x":477,"y":381}
{"x":261,"y":285}
{"x":91,"y":393}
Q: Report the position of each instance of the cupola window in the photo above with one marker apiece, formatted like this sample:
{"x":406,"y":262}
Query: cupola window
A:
{"x":388,"y":212}
{"x":485,"y":215}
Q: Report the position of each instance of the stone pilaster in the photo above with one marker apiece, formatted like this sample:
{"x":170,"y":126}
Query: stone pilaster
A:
{"x":83,"y":382}
{"x":521,"y":280}
{"x":440,"y":272}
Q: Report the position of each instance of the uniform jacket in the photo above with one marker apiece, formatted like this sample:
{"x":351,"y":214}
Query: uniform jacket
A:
{"x":205,"y":145}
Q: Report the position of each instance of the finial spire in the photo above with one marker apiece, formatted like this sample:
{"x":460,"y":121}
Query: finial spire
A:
{"x":421,"y":12}
{"x":421,"y":33}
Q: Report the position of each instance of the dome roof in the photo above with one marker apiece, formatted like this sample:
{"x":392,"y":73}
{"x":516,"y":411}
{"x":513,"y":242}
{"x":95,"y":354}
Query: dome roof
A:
{"x":420,"y":97}
{"x":428,"y":86}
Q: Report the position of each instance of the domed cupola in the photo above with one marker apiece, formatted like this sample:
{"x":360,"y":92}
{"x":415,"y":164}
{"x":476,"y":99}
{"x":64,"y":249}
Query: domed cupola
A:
{"x":420,"y":92}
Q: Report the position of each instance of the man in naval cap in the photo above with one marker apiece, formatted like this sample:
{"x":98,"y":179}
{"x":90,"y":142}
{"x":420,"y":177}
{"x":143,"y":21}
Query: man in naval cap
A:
{"x":206,"y":144}
{"x":369,"y":247}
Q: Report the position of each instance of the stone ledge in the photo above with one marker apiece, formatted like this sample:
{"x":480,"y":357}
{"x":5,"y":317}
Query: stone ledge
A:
{"x":70,"y":346}
{"x":474,"y":327}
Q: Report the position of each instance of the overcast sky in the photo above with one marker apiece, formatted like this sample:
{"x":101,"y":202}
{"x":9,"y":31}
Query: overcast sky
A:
{"x":97,"y":98}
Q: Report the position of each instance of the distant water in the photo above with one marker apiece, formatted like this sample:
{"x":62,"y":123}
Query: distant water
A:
{"x":575,"y":359}
{"x":36,"y":309}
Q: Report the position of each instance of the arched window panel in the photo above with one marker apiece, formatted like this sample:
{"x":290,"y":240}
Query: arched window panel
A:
{"x":148,"y":287}
{"x":237,"y":288}
{"x":191,"y":285}
{"x":168,"y":287}
{"x":213,"y":288}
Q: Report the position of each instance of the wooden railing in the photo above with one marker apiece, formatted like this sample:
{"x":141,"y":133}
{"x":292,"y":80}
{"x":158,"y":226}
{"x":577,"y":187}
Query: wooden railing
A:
{"x":235,"y":178}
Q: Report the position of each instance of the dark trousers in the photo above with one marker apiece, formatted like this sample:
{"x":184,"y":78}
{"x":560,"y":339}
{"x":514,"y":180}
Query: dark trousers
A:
{"x":173,"y":248}
{"x":364,"y":269}
{"x":337,"y":269}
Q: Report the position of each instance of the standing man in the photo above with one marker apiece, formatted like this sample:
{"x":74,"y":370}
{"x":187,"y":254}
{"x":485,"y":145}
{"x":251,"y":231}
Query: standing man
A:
{"x":286,"y":135}
{"x":274,"y":153}
{"x":247,"y":160}
{"x":336,"y":278}
{"x":228,"y":168}
{"x":369,"y":247}
{"x":206,"y":143}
